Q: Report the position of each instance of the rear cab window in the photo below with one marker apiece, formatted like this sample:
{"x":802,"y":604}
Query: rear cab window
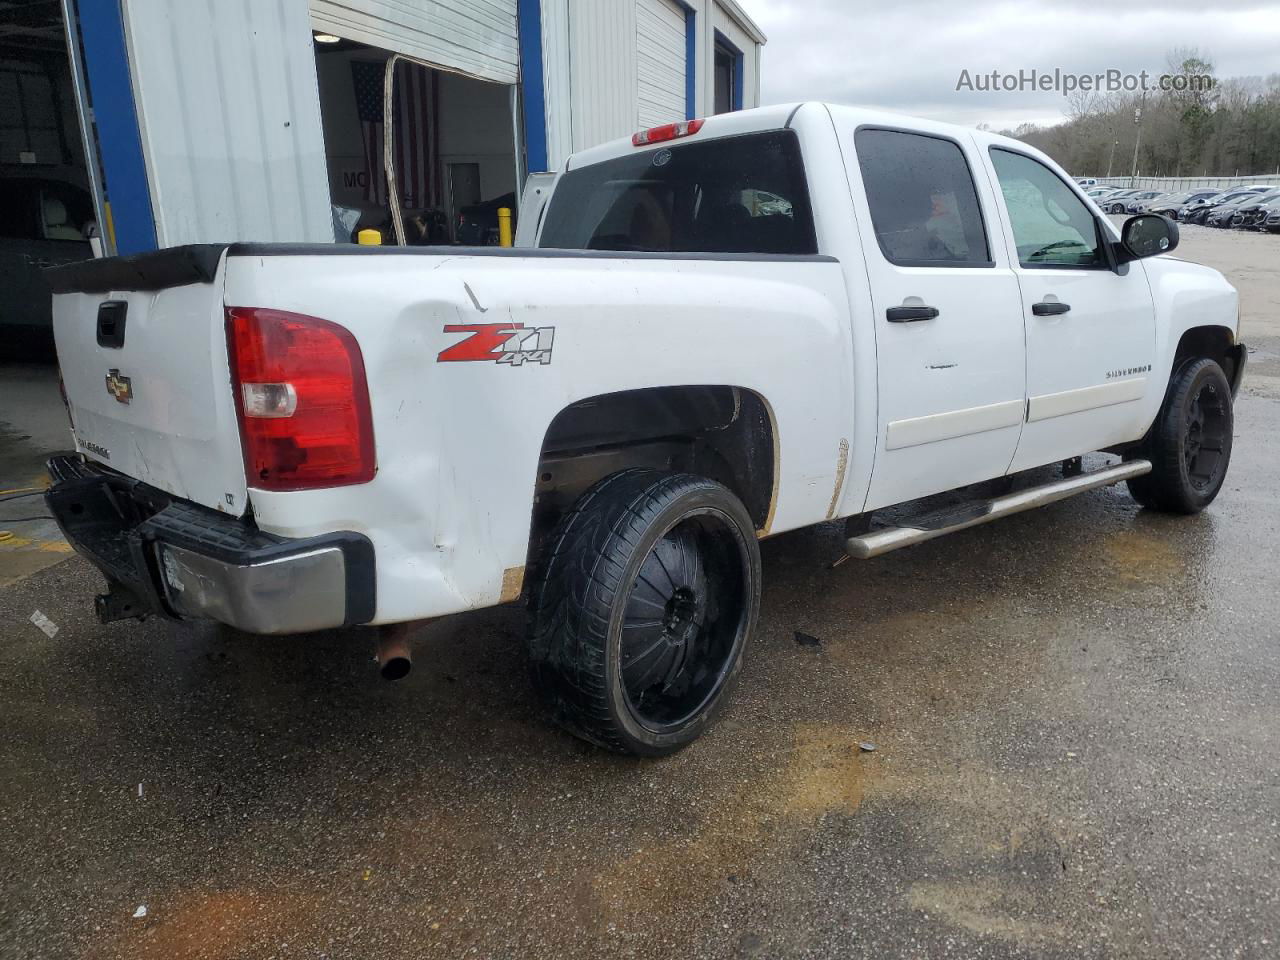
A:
{"x":744,"y":194}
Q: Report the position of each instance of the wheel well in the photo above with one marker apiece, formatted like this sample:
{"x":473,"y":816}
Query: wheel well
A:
{"x":1216,"y":343}
{"x":725,"y":433}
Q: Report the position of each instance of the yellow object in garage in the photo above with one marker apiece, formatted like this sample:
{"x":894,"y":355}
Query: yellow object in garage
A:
{"x":369,"y":237}
{"x":504,"y":226}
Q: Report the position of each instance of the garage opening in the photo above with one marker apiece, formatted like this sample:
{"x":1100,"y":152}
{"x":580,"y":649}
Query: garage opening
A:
{"x":46,"y":212}
{"x":452,"y":145}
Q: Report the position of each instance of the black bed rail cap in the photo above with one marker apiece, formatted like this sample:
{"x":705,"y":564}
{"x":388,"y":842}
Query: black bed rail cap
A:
{"x":156,"y":270}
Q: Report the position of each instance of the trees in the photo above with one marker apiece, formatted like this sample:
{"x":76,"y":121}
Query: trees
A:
{"x":1189,"y":129}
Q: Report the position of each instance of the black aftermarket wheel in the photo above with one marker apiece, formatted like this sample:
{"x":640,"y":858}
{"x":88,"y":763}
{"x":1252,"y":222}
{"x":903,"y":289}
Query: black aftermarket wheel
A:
{"x":642,"y":609}
{"x":1190,"y":443}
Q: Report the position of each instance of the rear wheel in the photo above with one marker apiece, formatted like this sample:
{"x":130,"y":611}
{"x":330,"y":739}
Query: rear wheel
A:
{"x":1190,"y":443}
{"x":642,"y":608}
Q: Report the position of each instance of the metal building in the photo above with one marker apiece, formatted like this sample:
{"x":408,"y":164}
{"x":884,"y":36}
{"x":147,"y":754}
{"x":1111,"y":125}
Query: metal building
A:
{"x":209,"y":122}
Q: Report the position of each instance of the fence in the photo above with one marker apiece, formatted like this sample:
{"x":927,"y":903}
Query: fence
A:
{"x":1178,"y":184}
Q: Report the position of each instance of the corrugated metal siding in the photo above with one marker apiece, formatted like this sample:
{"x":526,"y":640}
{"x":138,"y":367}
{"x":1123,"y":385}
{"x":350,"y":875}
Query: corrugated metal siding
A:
{"x":475,"y":37}
{"x":556,"y":81}
{"x":602,"y":64}
{"x":660,"y":62}
{"x":230,"y":120}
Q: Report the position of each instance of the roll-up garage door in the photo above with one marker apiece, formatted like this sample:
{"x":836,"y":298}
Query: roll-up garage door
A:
{"x":660,"y":62}
{"x":475,"y":37}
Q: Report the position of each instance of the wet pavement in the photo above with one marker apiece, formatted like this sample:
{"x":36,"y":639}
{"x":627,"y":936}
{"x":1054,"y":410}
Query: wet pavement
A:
{"x":1075,"y":713}
{"x":33,"y":423}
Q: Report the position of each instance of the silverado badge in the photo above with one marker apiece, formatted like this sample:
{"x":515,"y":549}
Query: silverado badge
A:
{"x":119,"y":387}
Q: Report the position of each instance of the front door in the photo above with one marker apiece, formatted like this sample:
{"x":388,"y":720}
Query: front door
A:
{"x":949,"y":339}
{"x":1090,"y":331}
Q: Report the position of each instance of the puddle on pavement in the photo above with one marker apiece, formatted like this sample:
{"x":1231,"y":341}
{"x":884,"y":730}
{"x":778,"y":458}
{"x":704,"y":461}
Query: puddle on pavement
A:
{"x":824,"y":773}
{"x":1139,"y":556}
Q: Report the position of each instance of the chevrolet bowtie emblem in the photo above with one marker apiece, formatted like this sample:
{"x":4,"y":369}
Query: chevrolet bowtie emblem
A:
{"x":119,"y":387}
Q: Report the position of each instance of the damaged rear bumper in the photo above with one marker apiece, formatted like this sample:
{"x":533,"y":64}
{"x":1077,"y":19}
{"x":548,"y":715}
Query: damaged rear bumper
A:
{"x":166,"y":556}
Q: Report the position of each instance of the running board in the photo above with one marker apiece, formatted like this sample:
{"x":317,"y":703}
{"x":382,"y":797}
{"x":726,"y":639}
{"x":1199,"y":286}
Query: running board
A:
{"x":949,"y":520}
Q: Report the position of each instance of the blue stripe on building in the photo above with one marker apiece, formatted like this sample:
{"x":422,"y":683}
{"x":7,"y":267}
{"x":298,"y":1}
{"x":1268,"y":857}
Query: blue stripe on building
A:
{"x":532,"y":93}
{"x":690,"y":61}
{"x":115,"y":116}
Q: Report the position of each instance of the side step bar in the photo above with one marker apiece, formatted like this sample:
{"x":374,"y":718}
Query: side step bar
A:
{"x":951,"y":519}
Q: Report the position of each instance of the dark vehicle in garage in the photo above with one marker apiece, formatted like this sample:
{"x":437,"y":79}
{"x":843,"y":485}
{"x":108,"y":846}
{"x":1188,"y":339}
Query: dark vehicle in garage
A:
{"x":42,"y":223}
{"x":478,"y":223}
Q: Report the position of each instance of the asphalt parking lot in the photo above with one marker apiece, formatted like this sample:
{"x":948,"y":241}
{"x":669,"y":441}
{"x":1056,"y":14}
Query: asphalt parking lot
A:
{"x":1075,"y":714}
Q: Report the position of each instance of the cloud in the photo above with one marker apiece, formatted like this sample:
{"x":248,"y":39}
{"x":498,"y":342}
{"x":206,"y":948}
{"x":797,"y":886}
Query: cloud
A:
{"x":909,"y":57}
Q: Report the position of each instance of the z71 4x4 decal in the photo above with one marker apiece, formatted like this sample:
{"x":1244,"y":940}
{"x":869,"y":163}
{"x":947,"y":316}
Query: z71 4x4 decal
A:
{"x":512,"y":343}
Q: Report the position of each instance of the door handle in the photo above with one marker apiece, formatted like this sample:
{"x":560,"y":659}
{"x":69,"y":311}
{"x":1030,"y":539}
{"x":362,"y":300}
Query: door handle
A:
{"x":1050,"y":309}
{"x":910,"y":314}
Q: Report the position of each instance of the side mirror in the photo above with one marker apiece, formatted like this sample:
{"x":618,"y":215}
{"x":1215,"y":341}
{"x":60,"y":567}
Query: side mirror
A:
{"x":1147,"y":235}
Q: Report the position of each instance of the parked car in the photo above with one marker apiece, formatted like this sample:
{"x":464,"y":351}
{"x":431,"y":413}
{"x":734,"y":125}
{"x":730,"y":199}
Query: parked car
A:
{"x":1221,"y":215}
{"x":1197,"y":212}
{"x":478,"y":223}
{"x":1141,"y":205}
{"x":42,"y":223}
{"x":308,"y":438}
{"x":1171,"y":203}
{"x":1133,"y":201}
{"x":1117,"y":201}
{"x":1087,"y":182}
{"x":1252,"y":214}
{"x":1272,"y":223}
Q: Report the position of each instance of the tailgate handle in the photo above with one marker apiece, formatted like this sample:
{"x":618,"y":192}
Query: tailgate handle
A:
{"x":111,"y":314}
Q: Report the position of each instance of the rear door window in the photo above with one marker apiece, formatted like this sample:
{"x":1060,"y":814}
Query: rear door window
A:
{"x":924,"y":206}
{"x":730,"y":195}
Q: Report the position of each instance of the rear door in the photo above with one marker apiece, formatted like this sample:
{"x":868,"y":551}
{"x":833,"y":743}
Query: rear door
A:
{"x":949,"y":337}
{"x":1090,"y":332}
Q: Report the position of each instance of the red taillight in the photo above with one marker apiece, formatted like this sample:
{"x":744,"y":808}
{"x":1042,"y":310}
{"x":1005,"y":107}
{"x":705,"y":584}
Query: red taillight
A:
{"x":668,"y":131}
{"x":302,"y":398}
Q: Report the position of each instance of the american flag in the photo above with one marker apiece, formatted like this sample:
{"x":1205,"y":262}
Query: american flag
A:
{"x":416,"y":99}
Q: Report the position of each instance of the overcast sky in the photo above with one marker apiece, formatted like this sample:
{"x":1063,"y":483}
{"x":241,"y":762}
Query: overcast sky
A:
{"x":908,"y":57}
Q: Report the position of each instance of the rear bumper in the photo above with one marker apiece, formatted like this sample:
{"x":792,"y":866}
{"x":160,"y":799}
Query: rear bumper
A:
{"x":166,"y":556}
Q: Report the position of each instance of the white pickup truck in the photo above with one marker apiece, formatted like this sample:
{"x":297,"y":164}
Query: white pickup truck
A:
{"x":728,"y":328}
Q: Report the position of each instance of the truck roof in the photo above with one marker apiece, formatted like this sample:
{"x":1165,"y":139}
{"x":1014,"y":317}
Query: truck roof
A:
{"x":776,"y":116}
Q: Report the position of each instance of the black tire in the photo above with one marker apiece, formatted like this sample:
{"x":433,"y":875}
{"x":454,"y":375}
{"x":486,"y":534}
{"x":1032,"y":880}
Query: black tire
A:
{"x":630,"y":655}
{"x":1189,"y":445}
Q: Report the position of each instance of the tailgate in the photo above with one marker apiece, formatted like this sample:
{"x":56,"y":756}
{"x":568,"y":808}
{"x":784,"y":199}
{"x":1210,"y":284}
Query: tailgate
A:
{"x":142,"y":346}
